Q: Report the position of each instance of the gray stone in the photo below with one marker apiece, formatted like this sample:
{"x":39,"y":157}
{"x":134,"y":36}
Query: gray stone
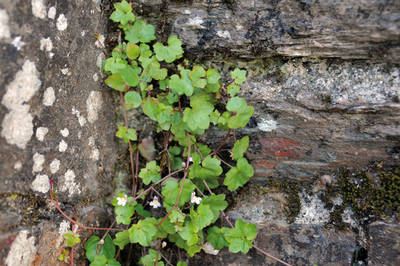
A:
{"x":384,"y":244}
{"x":252,"y":29}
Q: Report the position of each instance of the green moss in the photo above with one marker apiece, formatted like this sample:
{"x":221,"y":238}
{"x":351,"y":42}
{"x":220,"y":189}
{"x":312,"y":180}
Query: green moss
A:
{"x":372,"y":194}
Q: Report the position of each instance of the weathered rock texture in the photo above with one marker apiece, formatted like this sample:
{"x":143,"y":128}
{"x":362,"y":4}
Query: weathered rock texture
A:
{"x":56,"y":123}
{"x":355,"y":29}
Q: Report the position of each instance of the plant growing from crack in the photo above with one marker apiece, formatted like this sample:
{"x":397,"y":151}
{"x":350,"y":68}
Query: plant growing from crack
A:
{"x":183,"y":100}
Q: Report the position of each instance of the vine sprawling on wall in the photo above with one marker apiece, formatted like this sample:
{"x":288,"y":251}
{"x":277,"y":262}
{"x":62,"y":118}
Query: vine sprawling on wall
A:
{"x":185,"y":101}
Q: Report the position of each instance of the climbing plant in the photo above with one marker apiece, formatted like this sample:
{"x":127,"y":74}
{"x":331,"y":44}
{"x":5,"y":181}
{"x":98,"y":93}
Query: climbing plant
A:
{"x":184,"y":100}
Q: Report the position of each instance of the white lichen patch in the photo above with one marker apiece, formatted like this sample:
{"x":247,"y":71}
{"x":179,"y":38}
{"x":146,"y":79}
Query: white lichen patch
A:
{"x":267,"y":124}
{"x":99,"y":60}
{"x":312,"y":210}
{"x":55,"y":166}
{"x":18,"y":166}
{"x":41,"y":184}
{"x":51,"y":14}
{"x":38,"y":161}
{"x":64,"y":227}
{"x":41,"y":133}
{"x":195,"y":22}
{"x":65,"y":71}
{"x":46,"y":44}
{"x":18,"y":43}
{"x":62,"y":146}
{"x":69,"y":183}
{"x":62,"y":22}
{"x":49,"y":96}
{"x":93,"y":105}
{"x":64,"y":132}
{"x":22,"y":251}
{"x":95,"y":154}
{"x":4,"y":29}
{"x":81,"y":118}
{"x":17,"y":126}
{"x":95,"y":77}
{"x":39,"y":9}
{"x":100,"y":41}
{"x":224,"y":34}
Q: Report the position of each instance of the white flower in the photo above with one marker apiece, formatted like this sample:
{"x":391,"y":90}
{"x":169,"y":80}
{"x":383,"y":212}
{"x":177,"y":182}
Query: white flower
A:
{"x":155,"y":203}
{"x":195,"y":199}
{"x":122,"y":200}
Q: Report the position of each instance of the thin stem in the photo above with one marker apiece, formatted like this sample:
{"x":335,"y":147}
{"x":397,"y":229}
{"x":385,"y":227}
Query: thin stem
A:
{"x":134,"y":179}
{"x":167,"y":261}
{"x":71,"y":262}
{"x":222,"y":142}
{"x":106,"y":233}
{"x":223,"y":161}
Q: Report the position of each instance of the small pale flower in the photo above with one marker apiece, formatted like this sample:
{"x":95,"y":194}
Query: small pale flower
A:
{"x":155,"y":203}
{"x":195,"y":199}
{"x":121,"y":201}
{"x":163,"y":244}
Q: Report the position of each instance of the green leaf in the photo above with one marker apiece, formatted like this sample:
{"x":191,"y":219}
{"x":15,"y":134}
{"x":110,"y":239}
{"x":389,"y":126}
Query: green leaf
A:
{"x":176,"y":216}
{"x":116,"y":82}
{"x":114,"y":64}
{"x":139,"y":32}
{"x":126,"y":134}
{"x":213,"y":76}
{"x":181,"y":85}
{"x":170,"y":191}
{"x":211,"y":167}
{"x":239,"y":175}
{"x":189,"y":233}
{"x":217,"y":204}
{"x":151,"y":258}
{"x":202,"y":217}
{"x":130,"y":76}
{"x":240,"y":147}
{"x":171,"y":52}
{"x":123,"y":13}
{"x":121,"y":239}
{"x":174,"y":150}
{"x":132,"y":100}
{"x":141,"y":211}
{"x":143,"y":231}
{"x":181,"y":263}
{"x":151,"y":173}
{"x":107,"y":249}
{"x":150,"y":107}
{"x":240,"y":238}
{"x":197,"y":76}
{"x":99,"y":260}
{"x":91,"y":247}
{"x":233,"y":89}
{"x":198,"y":117}
{"x":132,"y":51}
{"x":71,"y":238}
{"x":156,"y":72}
{"x":239,"y":76}
{"x":124,"y":213}
{"x":242,"y":111}
{"x":216,"y":237}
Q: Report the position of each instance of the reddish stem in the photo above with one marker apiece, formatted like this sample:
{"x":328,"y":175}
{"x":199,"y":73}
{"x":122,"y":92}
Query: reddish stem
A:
{"x":222,"y":143}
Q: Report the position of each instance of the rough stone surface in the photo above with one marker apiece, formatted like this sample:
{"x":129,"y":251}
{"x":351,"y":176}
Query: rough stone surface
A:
{"x":354,"y":29}
{"x":384,"y":244}
{"x":47,"y":60}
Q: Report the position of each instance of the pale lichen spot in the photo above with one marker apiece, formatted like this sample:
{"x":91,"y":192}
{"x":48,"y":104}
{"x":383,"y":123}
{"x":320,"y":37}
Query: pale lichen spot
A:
{"x":95,"y":154}
{"x":65,"y":71}
{"x":41,"y":184}
{"x":267,"y":124}
{"x":17,"y":126}
{"x":49,"y":96}
{"x":224,"y":34}
{"x":22,"y":251}
{"x":62,"y":22}
{"x":100,"y":41}
{"x":18,"y":166}
{"x":46,"y":44}
{"x":51,"y":14}
{"x":17,"y":43}
{"x":69,"y":183}
{"x":55,"y":166}
{"x":41,"y":133}
{"x":93,"y":105}
{"x":62,"y":146}
{"x":99,"y":60}
{"x":83,"y":33}
{"x":195,"y":22}
{"x":38,"y":161}
{"x":81,"y":118}
{"x":39,"y":9}
{"x":64,"y":132}
{"x":4,"y":29}
{"x":95,"y":77}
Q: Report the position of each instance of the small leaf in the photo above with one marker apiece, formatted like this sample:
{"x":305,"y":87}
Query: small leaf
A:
{"x":121,"y":239}
{"x":216,"y":237}
{"x":217,"y":204}
{"x":242,"y":111}
{"x":233,"y":89}
{"x":170,"y":191}
{"x":240,"y":147}
{"x":130,"y":76}
{"x":126,"y":134}
{"x":181,"y":85}
{"x":202,"y":217}
{"x":99,"y":260}
{"x":71,"y":239}
{"x":171,"y":52}
{"x":123,"y":13}
{"x":139,"y":32}
{"x":114,"y":64}
{"x":197,"y":76}
{"x":151,"y":258}
{"x":240,"y":238}
{"x":116,"y":82}
{"x":151,"y":173}
{"x":213,"y":76}
{"x":132,"y":51}
{"x":143,"y":231}
{"x":141,"y":211}
{"x":239,"y":175}
{"x":239,"y":76}
{"x":132,"y":100}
